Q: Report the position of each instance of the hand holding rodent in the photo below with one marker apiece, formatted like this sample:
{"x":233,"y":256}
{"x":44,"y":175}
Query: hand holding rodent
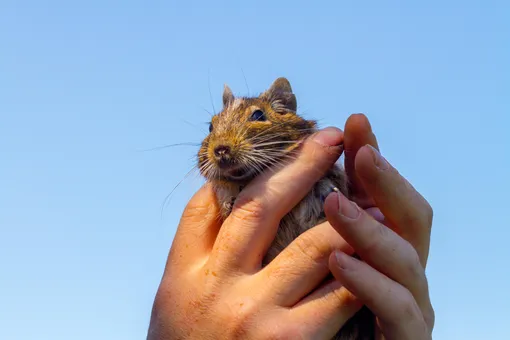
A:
{"x":213,"y":286}
{"x":394,"y":244}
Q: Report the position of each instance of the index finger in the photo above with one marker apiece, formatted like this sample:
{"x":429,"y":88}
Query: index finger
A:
{"x":407,"y":211}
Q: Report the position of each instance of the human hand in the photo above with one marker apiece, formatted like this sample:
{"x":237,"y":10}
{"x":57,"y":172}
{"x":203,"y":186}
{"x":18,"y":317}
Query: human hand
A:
{"x":392,"y":237}
{"x":213,"y":285}
{"x":358,"y":134}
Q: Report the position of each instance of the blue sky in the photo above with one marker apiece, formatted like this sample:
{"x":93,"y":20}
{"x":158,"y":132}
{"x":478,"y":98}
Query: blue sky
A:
{"x":86,"y":85}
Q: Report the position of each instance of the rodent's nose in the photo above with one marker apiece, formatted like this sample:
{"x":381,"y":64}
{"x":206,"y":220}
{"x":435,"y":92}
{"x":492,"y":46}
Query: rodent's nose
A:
{"x":221,"y":151}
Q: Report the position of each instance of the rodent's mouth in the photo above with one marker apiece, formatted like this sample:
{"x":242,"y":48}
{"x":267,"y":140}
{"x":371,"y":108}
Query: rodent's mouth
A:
{"x":239,"y":173}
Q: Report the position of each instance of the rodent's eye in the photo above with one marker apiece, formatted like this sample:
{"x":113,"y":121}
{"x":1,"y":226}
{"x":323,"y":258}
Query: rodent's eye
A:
{"x":210,"y":127}
{"x":258,"y":115}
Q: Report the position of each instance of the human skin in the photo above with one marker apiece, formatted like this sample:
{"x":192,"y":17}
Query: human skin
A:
{"x":213,"y":286}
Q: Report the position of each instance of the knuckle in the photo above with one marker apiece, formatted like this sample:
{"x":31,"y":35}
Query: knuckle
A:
{"x":430,"y":317}
{"x":379,"y":236}
{"x":429,"y":214}
{"x":311,"y":247}
{"x":345,"y":297}
{"x":238,"y":318}
{"x":419,"y":212}
{"x":408,"y":307}
{"x":248,"y":208}
{"x":413,"y":265}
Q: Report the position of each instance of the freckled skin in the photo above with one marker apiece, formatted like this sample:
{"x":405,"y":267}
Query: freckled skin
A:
{"x":255,"y":133}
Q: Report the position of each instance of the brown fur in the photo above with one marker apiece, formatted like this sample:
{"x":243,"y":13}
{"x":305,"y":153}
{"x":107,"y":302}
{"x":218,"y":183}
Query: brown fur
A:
{"x":256,"y":145}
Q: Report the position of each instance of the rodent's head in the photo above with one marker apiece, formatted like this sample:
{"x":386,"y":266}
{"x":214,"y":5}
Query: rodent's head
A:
{"x":251,"y":134}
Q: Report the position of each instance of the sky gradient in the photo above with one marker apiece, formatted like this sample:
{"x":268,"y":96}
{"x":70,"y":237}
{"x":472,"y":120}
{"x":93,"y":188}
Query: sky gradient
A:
{"x":86,"y":85}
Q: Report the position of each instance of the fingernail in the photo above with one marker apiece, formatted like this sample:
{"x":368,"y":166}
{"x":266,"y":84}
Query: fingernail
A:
{"x":380,"y":162}
{"x":347,"y":208}
{"x":342,"y":260}
{"x":329,"y":137}
{"x":332,"y":189}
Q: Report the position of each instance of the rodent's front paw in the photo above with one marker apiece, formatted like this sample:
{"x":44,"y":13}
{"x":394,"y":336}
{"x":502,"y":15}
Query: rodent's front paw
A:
{"x":227,"y":207}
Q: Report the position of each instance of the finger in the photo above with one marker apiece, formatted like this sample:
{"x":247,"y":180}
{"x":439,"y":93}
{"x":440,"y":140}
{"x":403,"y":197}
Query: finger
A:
{"x":376,"y":214}
{"x":398,"y":313}
{"x":327,"y":309}
{"x":198,"y":228}
{"x":358,"y":133}
{"x":379,"y":246}
{"x":300,"y":267}
{"x":250,"y":228}
{"x":406,"y":210}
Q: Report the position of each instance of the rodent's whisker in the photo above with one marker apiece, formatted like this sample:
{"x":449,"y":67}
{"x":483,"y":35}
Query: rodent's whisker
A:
{"x":267,"y":150}
{"x":209,"y":112}
{"x":263,"y":132}
{"x":170,"y":146}
{"x":167,"y":198}
{"x":278,"y":160}
{"x":275,"y":136}
{"x":208,"y":168}
{"x":254,"y":164}
{"x":254,"y":161}
{"x":271,"y":158}
{"x":273,"y":143}
{"x":274,"y":163}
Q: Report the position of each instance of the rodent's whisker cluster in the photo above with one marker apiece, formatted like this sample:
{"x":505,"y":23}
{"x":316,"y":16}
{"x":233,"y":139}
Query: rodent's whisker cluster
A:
{"x":270,"y":159}
{"x":208,"y":169}
{"x":277,"y":136}
{"x":267,"y":131}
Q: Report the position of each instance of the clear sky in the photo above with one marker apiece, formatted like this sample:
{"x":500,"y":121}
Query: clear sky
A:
{"x":86,"y":85}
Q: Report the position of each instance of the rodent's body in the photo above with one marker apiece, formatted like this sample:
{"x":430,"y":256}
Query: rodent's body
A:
{"x":252,"y":134}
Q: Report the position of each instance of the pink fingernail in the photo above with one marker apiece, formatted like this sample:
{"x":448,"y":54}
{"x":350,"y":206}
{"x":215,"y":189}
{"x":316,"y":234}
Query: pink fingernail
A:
{"x":347,"y":208}
{"x":342,"y":260}
{"x":329,"y":137}
{"x":379,"y":161}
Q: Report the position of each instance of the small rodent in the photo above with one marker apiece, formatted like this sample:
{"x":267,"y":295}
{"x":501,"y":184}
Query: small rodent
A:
{"x":251,"y":134}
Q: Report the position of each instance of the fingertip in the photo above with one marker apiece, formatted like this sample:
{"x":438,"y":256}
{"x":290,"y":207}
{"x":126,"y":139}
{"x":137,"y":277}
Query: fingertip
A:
{"x":204,"y":195}
{"x":203,"y":203}
{"x":365,"y":151}
{"x":358,"y":132}
{"x":341,"y":264}
{"x":358,"y":122}
{"x":369,"y":162}
{"x":339,"y":260}
{"x":198,"y":227}
{"x":331,"y":204}
{"x":329,"y":136}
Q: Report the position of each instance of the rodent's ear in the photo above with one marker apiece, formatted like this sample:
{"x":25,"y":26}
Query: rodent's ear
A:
{"x":228,"y":96}
{"x":280,"y":95}
{"x":281,"y":84}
